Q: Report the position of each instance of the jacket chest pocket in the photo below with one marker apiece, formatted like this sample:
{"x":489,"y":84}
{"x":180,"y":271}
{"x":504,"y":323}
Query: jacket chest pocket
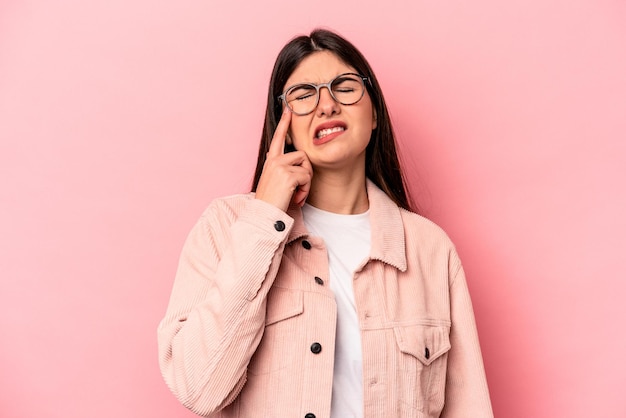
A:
{"x":282,"y":324}
{"x":421,"y":366}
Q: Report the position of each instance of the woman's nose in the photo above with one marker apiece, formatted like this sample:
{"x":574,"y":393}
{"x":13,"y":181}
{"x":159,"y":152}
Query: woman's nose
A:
{"x":327,"y":105}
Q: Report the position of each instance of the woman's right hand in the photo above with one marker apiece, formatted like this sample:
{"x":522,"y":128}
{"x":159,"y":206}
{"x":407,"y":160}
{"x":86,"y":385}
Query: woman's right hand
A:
{"x":286,"y":177}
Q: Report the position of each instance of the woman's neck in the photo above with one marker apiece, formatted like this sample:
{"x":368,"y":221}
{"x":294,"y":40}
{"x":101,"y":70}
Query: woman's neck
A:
{"x":339,"y":193}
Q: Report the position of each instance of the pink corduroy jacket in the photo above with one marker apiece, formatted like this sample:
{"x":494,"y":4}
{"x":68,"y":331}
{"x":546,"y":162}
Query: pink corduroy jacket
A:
{"x":250,"y":327}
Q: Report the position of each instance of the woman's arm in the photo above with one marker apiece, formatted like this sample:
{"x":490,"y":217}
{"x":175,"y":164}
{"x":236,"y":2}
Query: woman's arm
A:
{"x":216,"y":315}
{"x":467,"y":394}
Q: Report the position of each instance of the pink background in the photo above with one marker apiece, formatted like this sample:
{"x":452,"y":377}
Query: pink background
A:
{"x":120,"y":121}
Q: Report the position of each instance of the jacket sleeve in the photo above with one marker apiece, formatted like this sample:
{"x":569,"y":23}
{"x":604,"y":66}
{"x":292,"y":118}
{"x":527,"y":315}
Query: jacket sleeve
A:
{"x":216,"y":314}
{"x":467,"y":394}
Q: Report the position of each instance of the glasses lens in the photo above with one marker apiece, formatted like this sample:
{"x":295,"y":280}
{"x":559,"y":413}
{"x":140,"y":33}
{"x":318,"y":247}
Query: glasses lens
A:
{"x":347,"y":89}
{"x":301,"y":98}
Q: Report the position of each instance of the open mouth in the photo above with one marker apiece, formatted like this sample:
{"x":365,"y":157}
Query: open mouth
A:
{"x":329,"y":128}
{"x":325,"y":132}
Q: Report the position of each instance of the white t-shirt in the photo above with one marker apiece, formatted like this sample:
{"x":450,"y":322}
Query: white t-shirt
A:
{"x":348,"y":241}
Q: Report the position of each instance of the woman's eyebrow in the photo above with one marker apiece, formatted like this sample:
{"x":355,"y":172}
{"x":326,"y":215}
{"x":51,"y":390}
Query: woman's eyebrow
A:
{"x":302,"y":84}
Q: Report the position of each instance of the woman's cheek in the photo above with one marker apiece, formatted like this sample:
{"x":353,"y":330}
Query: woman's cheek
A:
{"x":298,"y":133}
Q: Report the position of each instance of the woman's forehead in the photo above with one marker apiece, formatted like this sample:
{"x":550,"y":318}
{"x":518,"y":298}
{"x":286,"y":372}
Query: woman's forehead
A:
{"x":319,"y":67}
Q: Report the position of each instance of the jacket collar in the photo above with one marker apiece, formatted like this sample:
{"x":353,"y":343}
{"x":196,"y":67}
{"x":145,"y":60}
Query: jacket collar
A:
{"x":387,"y":228}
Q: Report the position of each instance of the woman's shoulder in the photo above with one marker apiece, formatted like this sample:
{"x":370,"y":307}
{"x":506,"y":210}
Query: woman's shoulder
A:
{"x":226,"y":210}
{"x":419,"y":227}
{"x":234,"y":203}
{"x":424,"y":238}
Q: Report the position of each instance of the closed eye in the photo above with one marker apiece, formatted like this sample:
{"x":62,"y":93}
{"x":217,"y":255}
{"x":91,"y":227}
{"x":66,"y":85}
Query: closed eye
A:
{"x":346,"y":84}
{"x":301,"y":92}
{"x":304,"y":96}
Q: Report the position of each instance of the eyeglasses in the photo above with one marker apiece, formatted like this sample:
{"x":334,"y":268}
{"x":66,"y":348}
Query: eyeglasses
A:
{"x":346,"y":89}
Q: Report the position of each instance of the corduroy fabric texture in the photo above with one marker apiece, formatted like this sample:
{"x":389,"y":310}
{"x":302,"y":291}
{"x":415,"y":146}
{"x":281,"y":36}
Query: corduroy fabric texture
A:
{"x":246,"y":320}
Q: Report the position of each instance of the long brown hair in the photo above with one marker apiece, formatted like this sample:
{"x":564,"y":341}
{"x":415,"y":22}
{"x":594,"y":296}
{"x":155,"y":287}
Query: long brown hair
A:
{"x":381,"y":160}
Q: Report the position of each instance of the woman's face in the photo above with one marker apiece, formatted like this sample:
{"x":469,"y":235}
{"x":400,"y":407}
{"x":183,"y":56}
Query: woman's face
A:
{"x":334,"y":136}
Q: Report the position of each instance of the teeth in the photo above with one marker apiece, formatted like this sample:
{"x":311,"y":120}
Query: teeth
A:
{"x":324,"y":132}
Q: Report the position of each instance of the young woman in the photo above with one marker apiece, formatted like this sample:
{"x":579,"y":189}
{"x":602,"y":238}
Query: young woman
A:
{"x":320,"y":294}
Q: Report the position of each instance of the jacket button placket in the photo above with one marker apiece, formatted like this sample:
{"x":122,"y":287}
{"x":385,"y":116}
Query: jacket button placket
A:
{"x":307,"y":246}
{"x":315,"y":257}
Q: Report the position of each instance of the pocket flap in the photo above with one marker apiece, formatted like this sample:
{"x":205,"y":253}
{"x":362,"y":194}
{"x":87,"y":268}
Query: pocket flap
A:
{"x":283,"y":303}
{"x":424,"y":342}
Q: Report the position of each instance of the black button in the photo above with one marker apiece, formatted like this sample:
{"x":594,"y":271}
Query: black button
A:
{"x":309,"y":415}
{"x":427,"y":353}
{"x":319,"y":281}
{"x":316,"y":348}
{"x":279,"y":226}
{"x":306,"y":244}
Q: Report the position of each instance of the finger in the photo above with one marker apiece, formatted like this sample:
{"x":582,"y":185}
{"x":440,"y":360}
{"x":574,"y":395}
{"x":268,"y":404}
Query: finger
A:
{"x":302,"y":186}
{"x":302,"y":192}
{"x":277,"y":146}
{"x":295,"y":158}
